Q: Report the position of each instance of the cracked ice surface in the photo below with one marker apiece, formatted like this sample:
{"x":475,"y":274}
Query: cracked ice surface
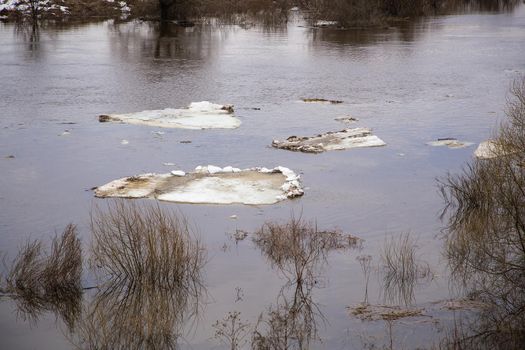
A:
{"x":210,"y":185}
{"x":198,"y":115}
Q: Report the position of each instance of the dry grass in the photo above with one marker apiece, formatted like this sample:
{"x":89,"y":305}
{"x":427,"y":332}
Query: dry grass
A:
{"x":143,"y":244}
{"x":298,"y":248}
{"x":367,"y":312}
{"x":485,"y":233}
{"x":38,"y":282}
{"x":232,"y":331}
{"x":402,"y":269}
{"x":150,"y":265}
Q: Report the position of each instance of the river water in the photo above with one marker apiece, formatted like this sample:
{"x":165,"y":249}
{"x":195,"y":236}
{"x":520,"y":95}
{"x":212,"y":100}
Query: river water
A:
{"x":412,"y":83}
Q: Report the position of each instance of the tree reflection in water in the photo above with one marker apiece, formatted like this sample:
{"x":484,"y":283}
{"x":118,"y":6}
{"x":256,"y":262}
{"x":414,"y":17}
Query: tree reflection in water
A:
{"x":299,"y":251}
{"x":485,"y":235}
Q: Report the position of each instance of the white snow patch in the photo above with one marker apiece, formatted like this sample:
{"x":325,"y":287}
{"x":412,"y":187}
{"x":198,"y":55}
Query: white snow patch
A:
{"x":218,"y":190}
{"x":198,"y":115}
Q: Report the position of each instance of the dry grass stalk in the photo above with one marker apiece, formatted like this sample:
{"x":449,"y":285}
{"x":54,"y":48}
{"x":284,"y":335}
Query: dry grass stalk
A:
{"x":154,"y":263}
{"x":298,"y":248}
{"x":39,"y":282}
{"x":232,"y":331}
{"x":402,"y":269}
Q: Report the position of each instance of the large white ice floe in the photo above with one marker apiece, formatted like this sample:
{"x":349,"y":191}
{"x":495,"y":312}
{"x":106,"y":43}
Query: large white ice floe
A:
{"x":210,"y":185}
{"x":490,"y":149}
{"x":450,"y":143}
{"x":329,"y":141}
{"x":198,"y":115}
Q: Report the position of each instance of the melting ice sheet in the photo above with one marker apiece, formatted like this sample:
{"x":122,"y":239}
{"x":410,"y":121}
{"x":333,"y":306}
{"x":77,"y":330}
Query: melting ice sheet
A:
{"x":210,"y":185}
{"x":198,"y":115}
{"x":345,"y":139}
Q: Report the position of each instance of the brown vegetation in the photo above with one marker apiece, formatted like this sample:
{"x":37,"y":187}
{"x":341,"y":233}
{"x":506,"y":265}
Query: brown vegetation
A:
{"x":402,"y":270}
{"x":150,"y":265}
{"x":345,"y":12}
{"x":485,"y":235}
{"x":38,"y":282}
{"x":348,"y":13}
{"x":299,"y":250}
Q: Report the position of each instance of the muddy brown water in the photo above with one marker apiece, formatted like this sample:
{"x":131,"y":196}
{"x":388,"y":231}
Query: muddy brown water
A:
{"x":412,"y":83}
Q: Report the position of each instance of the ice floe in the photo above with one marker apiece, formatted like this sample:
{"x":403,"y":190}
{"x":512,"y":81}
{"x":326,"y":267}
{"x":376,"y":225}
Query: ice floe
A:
{"x":450,"y":143}
{"x":490,"y":149}
{"x":198,"y":115}
{"x":324,"y":23}
{"x":210,"y":185}
{"x":338,"y":140}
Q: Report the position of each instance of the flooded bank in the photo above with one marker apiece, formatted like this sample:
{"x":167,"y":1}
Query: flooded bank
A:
{"x":411,"y":83}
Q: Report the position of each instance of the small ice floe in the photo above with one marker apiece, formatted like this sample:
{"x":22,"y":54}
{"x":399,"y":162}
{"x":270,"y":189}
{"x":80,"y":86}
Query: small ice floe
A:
{"x":210,"y":185}
{"x":198,"y":115}
{"x":168,"y":164}
{"x":65,"y":133}
{"x":158,"y":133}
{"x":490,"y":149}
{"x":347,"y":119}
{"x":233,"y":217}
{"x":321,"y":100}
{"x":124,"y":142}
{"x":450,"y":143}
{"x":325,"y":23}
{"x":339,"y":140}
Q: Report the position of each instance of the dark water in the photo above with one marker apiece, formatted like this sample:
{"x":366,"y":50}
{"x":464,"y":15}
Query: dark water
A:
{"x":414,"y":83}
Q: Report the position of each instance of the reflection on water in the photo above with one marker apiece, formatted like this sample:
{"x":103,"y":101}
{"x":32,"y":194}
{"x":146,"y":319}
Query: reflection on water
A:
{"x":412,"y":83}
{"x":485,"y":235}
{"x":40,"y":283}
{"x":29,"y":32}
{"x":299,"y":251}
{"x":149,"y":266}
{"x":153,"y":263}
{"x":403,"y":270}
